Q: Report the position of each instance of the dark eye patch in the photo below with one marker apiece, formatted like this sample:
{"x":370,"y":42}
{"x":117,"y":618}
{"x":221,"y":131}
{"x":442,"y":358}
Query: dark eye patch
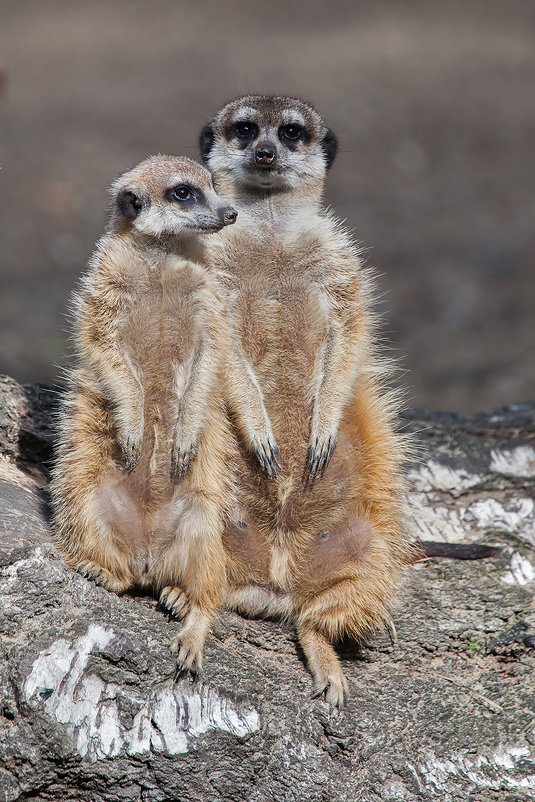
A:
{"x":243,"y":130}
{"x":293,"y":133}
{"x":185,"y":195}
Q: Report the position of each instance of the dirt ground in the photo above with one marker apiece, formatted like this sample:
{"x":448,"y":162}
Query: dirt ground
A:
{"x":434,"y":106}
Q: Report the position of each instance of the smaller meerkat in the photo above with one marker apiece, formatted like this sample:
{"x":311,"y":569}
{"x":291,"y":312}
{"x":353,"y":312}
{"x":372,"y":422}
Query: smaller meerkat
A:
{"x":143,"y":474}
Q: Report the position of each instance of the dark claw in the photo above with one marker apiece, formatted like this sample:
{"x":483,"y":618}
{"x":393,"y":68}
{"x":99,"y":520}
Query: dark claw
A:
{"x":164,"y":602}
{"x":182,"y":671}
{"x":275,"y":455}
{"x":87,"y":574}
{"x":268,"y":457}
{"x":130,"y":456}
{"x":318,"y":460}
{"x":332,"y":446}
{"x":272,"y":471}
{"x":310,"y":459}
{"x":181,"y":462}
{"x":321,"y":462}
{"x":174,"y":611}
{"x":262,"y":459}
{"x":314,"y":465}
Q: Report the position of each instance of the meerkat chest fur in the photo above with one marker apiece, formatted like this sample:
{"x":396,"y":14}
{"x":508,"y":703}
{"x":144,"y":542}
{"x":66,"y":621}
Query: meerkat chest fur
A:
{"x":282,"y":282}
{"x":162,"y":326}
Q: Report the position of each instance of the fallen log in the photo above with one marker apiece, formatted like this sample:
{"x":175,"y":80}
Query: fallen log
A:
{"x":442,"y":710}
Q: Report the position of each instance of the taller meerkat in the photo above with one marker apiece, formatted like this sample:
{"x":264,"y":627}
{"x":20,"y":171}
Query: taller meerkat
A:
{"x":143,"y":474}
{"x":323,"y":545}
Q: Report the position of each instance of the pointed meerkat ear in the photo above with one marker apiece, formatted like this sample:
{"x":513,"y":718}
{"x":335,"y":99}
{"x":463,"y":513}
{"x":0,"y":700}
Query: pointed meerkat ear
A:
{"x":329,"y":143}
{"x":206,"y":140}
{"x":129,"y":204}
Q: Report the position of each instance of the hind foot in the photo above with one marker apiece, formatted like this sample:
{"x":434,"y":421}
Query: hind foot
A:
{"x":175,"y":601}
{"x":334,"y":686}
{"x":189,"y":653}
{"x":101,"y":576}
{"x":189,"y":642}
{"x":323,"y":664}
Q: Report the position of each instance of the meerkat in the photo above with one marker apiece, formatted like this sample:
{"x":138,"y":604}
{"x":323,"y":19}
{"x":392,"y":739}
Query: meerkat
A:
{"x":324,"y":544}
{"x":143,"y":473}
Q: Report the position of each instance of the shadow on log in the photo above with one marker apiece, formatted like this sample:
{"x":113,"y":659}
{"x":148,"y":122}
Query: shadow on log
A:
{"x":90,"y":711}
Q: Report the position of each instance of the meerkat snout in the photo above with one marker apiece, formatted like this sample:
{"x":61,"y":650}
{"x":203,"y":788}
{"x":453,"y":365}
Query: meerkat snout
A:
{"x":265,"y":154}
{"x":227,"y":215}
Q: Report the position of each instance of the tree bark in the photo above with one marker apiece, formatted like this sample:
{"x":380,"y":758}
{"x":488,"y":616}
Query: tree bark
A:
{"x":442,"y":710}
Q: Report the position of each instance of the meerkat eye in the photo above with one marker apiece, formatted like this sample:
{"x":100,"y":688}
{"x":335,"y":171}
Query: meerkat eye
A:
{"x":182,"y":193}
{"x":245,"y":130}
{"x":292,"y":132}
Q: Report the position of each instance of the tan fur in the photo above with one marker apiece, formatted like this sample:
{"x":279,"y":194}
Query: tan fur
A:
{"x":324,"y":548}
{"x":144,"y":469}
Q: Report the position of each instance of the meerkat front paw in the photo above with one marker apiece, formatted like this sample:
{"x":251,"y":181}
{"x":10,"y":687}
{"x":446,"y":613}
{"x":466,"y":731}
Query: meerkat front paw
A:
{"x":267,"y":454}
{"x":101,"y":576}
{"x":182,"y":455}
{"x":320,"y":452}
{"x":130,"y":426}
{"x":131,"y":452}
{"x":175,"y":601}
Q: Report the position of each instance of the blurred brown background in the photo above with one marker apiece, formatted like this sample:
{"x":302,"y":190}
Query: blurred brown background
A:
{"x":434,"y":106}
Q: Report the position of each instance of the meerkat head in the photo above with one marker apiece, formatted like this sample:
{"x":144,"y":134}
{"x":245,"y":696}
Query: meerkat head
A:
{"x":168,"y":196}
{"x":268,"y":144}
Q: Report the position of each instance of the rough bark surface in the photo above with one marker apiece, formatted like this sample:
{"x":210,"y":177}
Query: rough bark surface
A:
{"x":445,"y":711}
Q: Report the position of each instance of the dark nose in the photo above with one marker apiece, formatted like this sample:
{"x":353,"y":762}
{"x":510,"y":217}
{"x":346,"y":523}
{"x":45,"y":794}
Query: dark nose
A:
{"x":265,"y":154}
{"x":228,"y":215}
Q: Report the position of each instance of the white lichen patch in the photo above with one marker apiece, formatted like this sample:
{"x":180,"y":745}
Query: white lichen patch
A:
{"x":509,"y":756}
{"x":447,"y":778}
{"x":522,"y":571}
{"x":395,"y":790}
{"x":463,"y":523}
{"x":435,"y":521}
{"x":90,"y":708}
{"x":518,"y":517}
{"x":433,"y":477}
{"x":518,"y":462}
